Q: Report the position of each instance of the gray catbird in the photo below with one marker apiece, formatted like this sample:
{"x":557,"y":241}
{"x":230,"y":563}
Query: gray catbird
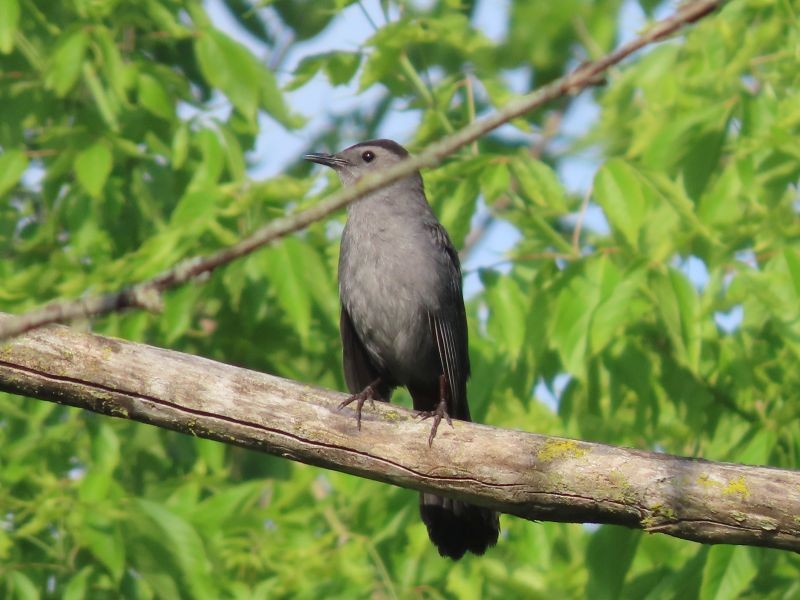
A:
{"x":403,"y":321}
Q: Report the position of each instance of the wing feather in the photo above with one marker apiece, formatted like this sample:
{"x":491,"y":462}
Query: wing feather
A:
{"x":449,"y":328}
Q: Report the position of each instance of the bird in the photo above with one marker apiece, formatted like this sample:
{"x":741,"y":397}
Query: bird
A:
{"x":402,"y":319}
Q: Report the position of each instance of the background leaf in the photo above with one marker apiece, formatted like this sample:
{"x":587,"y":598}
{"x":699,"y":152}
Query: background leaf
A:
{"x":92,"y":167}
{"x":12,"y":165}
{"x":9,"y":19}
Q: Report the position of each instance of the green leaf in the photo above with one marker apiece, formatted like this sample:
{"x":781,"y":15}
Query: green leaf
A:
{"x":9,"y":20}
{"x":165,"y":19}
{"x":728,"y":572}
{"x":618,"y":191}
{"x":234,"y":158}
{"x":608,"y":558}
{"x":179,"y":311}
{"x":758,"y":449}
{"x":194,"y":211}
{"x":76,"y":588}
{"x":105,"y":449}
{"x":211,"y":167}
{"x":21,"y":586}
{"x":180,"y":146}
{"x":317,"y":276}
{"x":451,"y":30}
{"x":184,"y":546}
{"x":616,"y":307}
{"x":676,"y":301}
{"x":154,"y":97}
{"x":495,"y":181}
{"x":721,"y":204}
{"x":105,"y":542}
{"x":113,"y":67}
{"x":229,"y":66}
{"x":211,"y":455}
{"x":570,"y":325}
{"x":694,"y":141}
{"x":66,"y":61}
{"x":284,"y":267}
{"x":792,"y":258}
{"x":590,"y":305}
{"x":539,"y":183}
{"x":455,"y":204}
{"x":95,"y":486}
{"x":340,"y":67}
{"x":12,"y":165}
{"x":92,"y":168}
{"x":507,"y":308}
{"x":227,"y":504}
{"x":102,"y":100}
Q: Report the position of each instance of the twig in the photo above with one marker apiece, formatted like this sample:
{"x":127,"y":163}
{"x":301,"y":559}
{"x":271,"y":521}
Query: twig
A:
{"x":585,"y":75}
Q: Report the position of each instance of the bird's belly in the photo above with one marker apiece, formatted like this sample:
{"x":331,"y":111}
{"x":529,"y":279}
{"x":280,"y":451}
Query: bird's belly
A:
{"x":391,"y":320}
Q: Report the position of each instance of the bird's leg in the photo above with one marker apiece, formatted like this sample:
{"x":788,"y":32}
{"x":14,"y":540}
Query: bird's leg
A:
{"x":440,"y":412}
{"x":368,"y":393}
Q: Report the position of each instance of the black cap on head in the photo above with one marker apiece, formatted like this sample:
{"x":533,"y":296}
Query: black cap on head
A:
{"x":389,"y":145}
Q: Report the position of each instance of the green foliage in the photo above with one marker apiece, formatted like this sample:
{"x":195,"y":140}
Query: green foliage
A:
{"x":125,"y":141}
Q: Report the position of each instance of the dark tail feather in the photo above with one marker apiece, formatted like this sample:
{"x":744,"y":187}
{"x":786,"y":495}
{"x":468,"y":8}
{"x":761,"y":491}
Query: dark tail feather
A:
{"x":456,"y":527}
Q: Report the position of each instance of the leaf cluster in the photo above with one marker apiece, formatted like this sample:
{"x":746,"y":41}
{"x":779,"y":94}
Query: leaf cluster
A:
{"x":657,"y":309}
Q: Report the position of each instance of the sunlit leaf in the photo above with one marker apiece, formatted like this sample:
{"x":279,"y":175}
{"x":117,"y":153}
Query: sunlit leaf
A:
{"x":539,"y":183}
{"x":728,"y":572}
{"x":284,"y":266}
{"x":676,"y":301}
{"x":185,"y":546}
{"x":608,"y":558}
{"x":9,"y":19}
{"x":12,"y":165}
{"x":76,"y":589}
{"x":622,"y":198}
{"x":93,"y":166}
{"x":154,"y":97}
{"x":66,"y":61}
{"x":228,"y":65}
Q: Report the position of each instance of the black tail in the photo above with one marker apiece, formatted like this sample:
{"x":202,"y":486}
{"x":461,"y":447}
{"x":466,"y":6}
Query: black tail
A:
{"x":456,"y":527}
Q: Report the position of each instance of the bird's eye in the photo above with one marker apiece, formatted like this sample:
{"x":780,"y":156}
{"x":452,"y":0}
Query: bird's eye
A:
{"x":368,"y":156}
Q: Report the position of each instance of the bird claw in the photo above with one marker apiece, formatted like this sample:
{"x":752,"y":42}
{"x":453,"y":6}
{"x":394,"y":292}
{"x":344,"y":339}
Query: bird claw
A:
{"x":438,"y":414}
{"x":368,"y":393}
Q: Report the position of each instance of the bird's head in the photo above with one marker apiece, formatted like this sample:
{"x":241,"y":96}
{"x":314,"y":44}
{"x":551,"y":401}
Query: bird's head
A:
{"x":361,"y":159}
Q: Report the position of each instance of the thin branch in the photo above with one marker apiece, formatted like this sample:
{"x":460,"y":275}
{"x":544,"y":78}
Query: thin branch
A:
{"x":367,"y":16}
{"x":534,"y":477}
{"x":585,"y":75}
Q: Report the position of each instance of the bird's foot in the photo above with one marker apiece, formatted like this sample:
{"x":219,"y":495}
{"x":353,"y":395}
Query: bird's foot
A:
{"x":439,"y":413}
{"x":368,"y":393}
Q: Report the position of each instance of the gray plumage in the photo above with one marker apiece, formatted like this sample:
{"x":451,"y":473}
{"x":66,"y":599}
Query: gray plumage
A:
{"x":402,"y":318}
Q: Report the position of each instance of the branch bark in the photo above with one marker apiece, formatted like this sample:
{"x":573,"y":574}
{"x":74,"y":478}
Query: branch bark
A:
{"x":531,"y":476}
{"x":147,"y":293}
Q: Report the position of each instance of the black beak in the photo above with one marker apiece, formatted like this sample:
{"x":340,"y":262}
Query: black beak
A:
{"x":329,"y":160}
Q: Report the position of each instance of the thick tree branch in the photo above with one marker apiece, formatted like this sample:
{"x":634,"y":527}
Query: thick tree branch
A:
{"x":147,"y":294}
{"x":532,"y":476}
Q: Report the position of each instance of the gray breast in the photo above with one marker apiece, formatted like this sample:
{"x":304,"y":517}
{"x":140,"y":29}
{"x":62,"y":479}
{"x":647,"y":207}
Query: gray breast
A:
{"x":388,"y":282}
